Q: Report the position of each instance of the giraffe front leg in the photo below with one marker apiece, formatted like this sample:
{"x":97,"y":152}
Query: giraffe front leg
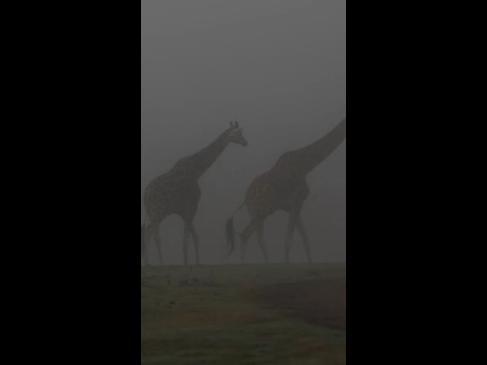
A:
{"x":185,"y":244}
{"x":196,"y":242}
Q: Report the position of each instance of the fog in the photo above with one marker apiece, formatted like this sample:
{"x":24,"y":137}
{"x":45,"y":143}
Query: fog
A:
{"x":279,"y":67}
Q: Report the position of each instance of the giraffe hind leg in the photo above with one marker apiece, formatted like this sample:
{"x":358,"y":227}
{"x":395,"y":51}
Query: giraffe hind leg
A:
{"x":289,"y":237}
{"x":153,"y":232}
{"x":246,"y":235}
{"x":143,"y":250}
{"x":147,"y":239}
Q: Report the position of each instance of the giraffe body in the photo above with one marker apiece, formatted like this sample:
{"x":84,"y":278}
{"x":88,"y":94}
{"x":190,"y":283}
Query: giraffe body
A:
{"x":284,"y":187}
{"x":172,"y":193}
{"x":178,"y":192}
{"x":268,"y":193}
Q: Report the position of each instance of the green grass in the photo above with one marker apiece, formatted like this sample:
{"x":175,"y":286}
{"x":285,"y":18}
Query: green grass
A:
{"x":211,"y":315}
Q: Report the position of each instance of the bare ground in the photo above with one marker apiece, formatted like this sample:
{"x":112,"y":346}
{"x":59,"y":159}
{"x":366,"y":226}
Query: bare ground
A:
{"x":318,"y":302}
{"x":248,"y":314}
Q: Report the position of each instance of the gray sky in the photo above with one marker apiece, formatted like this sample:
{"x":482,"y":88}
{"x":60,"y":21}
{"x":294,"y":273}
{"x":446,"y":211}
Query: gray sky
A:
{"x":279,"y":68}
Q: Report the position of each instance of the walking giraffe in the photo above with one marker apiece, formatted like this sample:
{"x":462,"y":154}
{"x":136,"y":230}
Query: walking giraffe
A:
{"x":284,"y":187}
{"x":178,"y":192}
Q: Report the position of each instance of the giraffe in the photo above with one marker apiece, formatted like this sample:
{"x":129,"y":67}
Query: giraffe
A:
{"x":283,"y":187}
{"x":178,"y":192}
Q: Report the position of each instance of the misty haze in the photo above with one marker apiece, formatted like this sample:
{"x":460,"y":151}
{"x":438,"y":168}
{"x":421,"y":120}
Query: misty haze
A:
{"x":243,"y":106}
{"x":276,"y":66}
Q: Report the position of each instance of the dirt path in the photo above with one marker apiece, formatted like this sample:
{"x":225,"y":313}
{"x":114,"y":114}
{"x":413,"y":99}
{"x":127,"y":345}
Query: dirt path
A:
{"x":320,"y":302}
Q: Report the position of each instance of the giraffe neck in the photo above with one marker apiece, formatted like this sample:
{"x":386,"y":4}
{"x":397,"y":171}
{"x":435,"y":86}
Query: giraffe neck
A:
{"x":304,"y":160}
{"x":202,"y":160}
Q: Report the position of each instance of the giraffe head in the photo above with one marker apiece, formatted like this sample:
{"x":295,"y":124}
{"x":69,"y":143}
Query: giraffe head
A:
{"x":235,"y":134}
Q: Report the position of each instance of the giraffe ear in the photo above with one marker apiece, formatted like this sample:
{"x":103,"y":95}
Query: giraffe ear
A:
{"x":231,"y":124}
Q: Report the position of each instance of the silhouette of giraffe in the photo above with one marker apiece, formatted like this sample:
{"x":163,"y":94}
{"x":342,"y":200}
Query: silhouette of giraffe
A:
{"x":178,"y":192}
{"x":283,"y":187}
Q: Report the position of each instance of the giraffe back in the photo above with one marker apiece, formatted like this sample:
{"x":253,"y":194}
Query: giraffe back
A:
{"x":172,"y":193}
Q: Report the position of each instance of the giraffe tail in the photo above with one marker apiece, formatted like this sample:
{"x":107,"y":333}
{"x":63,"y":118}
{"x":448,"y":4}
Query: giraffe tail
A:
{"x":230,"y":231}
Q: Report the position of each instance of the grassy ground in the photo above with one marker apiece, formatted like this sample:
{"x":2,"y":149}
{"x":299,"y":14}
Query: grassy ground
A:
{"x":249,"y":314}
